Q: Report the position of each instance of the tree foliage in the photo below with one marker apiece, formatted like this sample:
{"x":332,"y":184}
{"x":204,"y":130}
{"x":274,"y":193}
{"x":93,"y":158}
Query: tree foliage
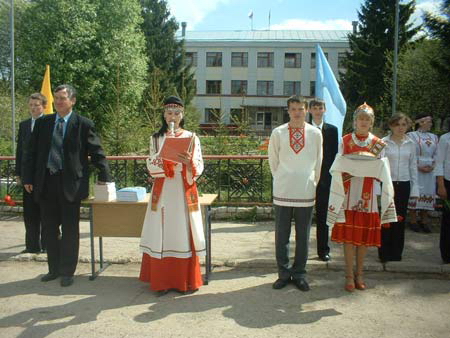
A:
{"x":366,"y":62}
{"x":421,"y":87}
{"x":166,"y":54}
{"x":95,"y":45}
{"x":439,"y":29}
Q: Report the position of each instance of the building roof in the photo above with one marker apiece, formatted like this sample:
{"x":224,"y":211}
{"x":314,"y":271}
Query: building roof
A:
{"x":268,"y":35}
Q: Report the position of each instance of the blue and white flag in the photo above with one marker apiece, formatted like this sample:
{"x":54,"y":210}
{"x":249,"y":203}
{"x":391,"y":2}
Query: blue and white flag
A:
{"x":327,"y":89}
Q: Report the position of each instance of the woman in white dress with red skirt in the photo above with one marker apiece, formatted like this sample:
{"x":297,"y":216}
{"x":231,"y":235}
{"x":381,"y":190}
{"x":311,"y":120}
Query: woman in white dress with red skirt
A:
{"x":172,"y":235}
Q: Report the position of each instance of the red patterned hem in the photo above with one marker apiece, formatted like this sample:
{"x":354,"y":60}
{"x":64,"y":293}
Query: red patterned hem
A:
{"x":182,"y":274}
{"x":359,"y":229}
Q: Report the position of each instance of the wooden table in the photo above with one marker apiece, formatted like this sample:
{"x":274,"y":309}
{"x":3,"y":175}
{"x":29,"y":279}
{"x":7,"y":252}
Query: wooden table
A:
{"x":125,"y":219}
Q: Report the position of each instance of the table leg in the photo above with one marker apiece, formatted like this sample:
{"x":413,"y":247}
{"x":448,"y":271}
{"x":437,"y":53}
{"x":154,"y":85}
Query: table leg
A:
{"x":91,"y":228}
{"x":208,"y":243}
{"x":100,"y":244}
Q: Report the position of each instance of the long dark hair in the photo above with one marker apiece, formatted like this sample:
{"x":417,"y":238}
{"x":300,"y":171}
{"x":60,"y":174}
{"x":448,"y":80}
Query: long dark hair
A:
{"x":420,"y":116}
{"x":165,"y":127}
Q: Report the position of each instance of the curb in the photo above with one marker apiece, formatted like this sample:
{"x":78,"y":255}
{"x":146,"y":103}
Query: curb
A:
{"x":400,"y":267}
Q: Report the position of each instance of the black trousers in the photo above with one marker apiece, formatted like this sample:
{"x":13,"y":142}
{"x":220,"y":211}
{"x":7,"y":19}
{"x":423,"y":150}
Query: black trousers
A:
{"x":283,"y":218}
{"x":393,"y":238}
{"x":322,"y":196}
{"x":445,"y":229}
{"x":57,"y":211}
{"x":34,"y":238}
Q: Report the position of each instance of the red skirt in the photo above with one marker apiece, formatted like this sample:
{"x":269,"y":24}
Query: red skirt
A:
{"x":360,"y":228}
{"x":182,"y":274}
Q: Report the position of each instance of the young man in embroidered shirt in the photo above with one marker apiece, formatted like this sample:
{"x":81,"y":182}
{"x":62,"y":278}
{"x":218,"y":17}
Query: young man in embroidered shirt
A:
{"x":329,"y":132}
{"x":295,"y":159}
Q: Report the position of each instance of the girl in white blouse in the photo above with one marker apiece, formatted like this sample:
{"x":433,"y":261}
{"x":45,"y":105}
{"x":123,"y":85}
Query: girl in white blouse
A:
{"x":401,"y":152}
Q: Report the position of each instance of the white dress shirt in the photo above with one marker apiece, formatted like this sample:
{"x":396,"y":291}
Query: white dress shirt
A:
{"x":443,"y":157}
{"x":403,"y":162}
{"x":320,"y":126}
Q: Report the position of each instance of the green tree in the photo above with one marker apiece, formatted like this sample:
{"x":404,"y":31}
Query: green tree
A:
{"x":5,"y":35}
{"x":421,"y":87}
{"x":166,"y":55}
{"x":366,"y":62}
{"x":439,"y":28}
{"x":96,"y":45}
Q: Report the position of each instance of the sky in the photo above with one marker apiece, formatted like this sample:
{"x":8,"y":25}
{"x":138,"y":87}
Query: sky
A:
{"x":207,"y":15}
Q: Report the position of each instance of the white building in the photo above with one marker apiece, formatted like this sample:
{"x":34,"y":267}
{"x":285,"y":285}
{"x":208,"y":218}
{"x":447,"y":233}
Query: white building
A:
{"x":257,"y":71}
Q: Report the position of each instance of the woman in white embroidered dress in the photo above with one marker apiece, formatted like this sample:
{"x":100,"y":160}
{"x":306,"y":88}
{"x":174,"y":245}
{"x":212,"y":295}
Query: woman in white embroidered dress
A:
{"x":401,"y":152}
{"x":172,"y":235}
{"x":426,"y":146}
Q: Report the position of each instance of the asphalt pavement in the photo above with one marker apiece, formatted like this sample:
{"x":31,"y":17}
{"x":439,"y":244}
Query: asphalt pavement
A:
{"x":404,"y":299}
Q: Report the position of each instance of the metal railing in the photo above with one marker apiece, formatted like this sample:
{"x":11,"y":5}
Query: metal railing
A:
{"x":237,"y":179}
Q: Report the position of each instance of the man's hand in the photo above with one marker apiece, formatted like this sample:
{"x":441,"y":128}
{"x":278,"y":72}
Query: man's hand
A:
{"x":28,"y":188}
{"x":18,"y":180}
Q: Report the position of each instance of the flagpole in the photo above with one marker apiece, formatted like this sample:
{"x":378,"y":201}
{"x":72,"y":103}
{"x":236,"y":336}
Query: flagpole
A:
{"x":269,"y":20}
{"x":13,"y":101}
{"x":394,"y":77}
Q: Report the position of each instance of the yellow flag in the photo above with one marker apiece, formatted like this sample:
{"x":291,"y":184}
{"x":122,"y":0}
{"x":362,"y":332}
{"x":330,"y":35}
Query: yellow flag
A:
{"x":46,"y":90}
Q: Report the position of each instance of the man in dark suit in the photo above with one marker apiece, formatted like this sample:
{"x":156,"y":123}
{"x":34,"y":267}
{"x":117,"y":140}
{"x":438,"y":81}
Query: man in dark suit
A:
{"x":34,"y":242}
{"x":330,"y":148}
{"x":57,"y":170}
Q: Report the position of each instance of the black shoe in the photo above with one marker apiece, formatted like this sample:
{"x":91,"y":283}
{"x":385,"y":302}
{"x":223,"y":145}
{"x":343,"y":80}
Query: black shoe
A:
{"x":280,"y":283}
{"x":301,"y":284}
{"x":48,"y":277}
{"x":325,"y":257}
{"x":162,"y":292}
{"x":30,"y":251}
{"x":66,"y":281}
{"x":415,"y":227}
{"x":424,"y":227}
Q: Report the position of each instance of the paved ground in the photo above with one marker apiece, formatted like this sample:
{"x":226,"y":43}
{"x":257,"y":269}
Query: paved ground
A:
{"x":405,"y":299}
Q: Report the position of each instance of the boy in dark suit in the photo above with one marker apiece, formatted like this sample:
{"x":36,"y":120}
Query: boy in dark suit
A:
{"x":34,"y":239}
{"x":330,"y":148}
{"x":57,"y":170}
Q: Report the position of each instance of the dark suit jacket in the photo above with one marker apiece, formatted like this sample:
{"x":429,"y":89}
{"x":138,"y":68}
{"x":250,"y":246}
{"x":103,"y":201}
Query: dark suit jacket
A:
{"x":80,"y":141}
{"x":330,"y":149}
{"x":22,"y":144}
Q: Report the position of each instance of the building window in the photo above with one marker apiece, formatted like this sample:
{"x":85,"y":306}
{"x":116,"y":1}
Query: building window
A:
{"x":212,"y":115}
{"x":292,"y":60}
{"x":313,"y":59}
{"x":312,"y":88}
{"x":291,"y":88}
{"x":239,"y":87}
{"x":214,"y":59}
{"x":264,"y":88}
{"x":263,"y":120}
{"x":191,"y":59}
{"x":194,"y":86}
{"x":213,"y":87}
{"x":265,"y":59}
{"x":239,"y":59}
{"x":341,"y":60}
{"x":236,"y":115}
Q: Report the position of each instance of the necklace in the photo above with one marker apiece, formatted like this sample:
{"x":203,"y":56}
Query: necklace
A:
{"x":363,"y":143}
